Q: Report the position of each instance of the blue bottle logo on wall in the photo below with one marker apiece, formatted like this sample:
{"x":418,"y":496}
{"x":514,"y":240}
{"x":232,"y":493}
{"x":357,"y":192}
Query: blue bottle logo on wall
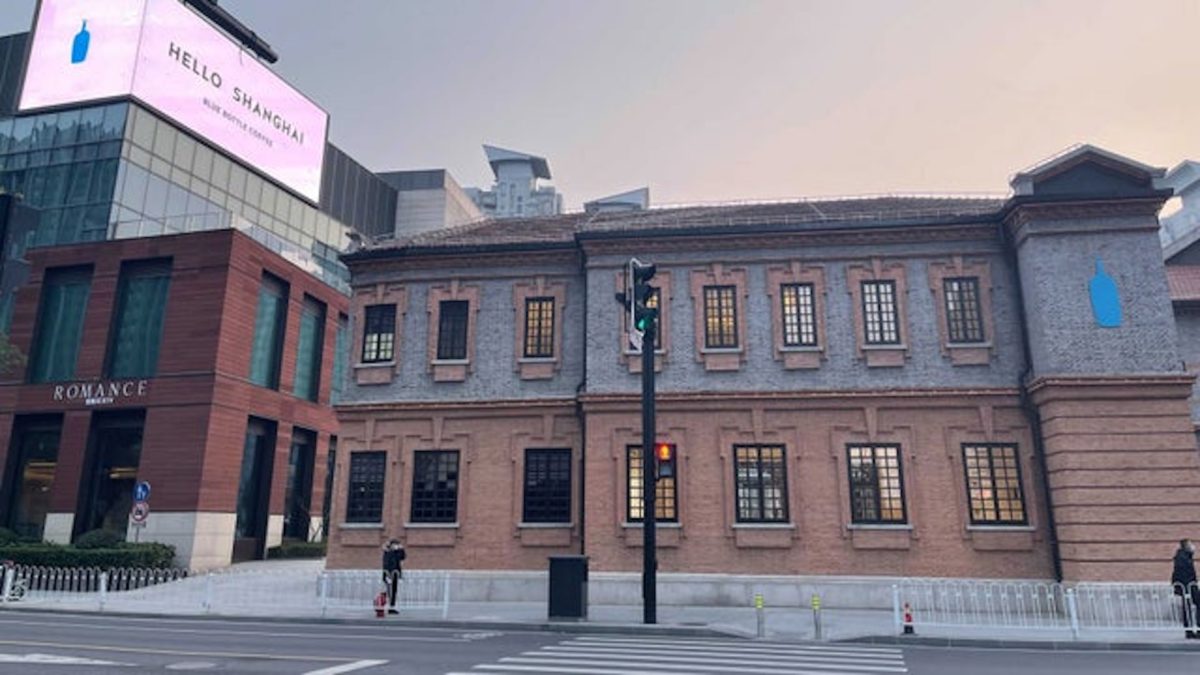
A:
{"x":79,"y":48}
{"x":1106,"y":301}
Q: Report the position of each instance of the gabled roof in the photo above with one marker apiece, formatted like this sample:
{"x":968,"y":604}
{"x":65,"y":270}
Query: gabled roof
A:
{"x":497,"y":156}
{"x":1025,"y":182}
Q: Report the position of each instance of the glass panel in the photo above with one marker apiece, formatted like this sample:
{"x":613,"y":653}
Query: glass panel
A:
{"x":539,"y":327}
{"x":308,"y":350}
{"x":665,"y":499}
{"x":60,"y":325}
{"x":269,"y":323}
{"x":68,"y":127}
{"x":116,"y":454}
{"x":144,"y":126}
{"x":203,"y":163}
{"x":547,"y":497}
{"x":256,"y":452}
{"x":297,"y":498}
{"x":720,"y":317}
{"x":452,"y":329}
{"x":379,"y":333}
{"x":142,"y":307}
{"x":435,"y":486}
{"x":81,"y":183}
{"x":91,"y":125}
{"x":364,"y":498}
{"x":155,"y":205}
{"x":185,"y":150}
{"x":133,"y":191}
{"x":45,"y":129}
{"x":114,"y":121}
{"x":37,"y":460}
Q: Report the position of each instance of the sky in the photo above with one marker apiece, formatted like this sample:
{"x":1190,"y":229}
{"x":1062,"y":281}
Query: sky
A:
{"x":725,"y":100}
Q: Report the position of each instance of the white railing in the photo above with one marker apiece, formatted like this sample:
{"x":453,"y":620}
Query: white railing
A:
{"x":1013,"y":605}
{"x":230,"y":591}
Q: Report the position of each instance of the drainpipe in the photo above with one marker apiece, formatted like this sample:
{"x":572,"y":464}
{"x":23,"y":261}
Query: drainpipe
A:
{"x":579,"y":390}
{"x":1027,"y":405}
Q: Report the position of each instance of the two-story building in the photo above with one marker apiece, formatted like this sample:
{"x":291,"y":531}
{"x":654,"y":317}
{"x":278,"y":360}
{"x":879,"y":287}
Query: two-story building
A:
{"x":884,"y":386}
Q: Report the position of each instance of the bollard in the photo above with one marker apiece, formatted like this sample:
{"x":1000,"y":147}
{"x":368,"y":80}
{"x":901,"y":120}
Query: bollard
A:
{"x":103,"y":589}
{"x":897,"y":622}
{"x":9,"y":573}
{"x":324,"y":593}
{"x":909,"y":628}
{"x":1073,"y":612}
{"x":207,"y":600}
{"x":762,"y":618}
{"x":816,"y":610}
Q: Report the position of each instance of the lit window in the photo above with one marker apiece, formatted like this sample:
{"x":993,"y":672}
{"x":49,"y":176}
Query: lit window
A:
{"x":879,"y":312}
{"x":665,"y":494}
{"x":760,"y":472}
{"x":994,"y":484}
{"x":379,"y":333}
{"x":720,"y":317}
{"x":539,"y":328}
{"x":799,"y":315}
{"x":876,"y":484}
{"x":964,"y":321}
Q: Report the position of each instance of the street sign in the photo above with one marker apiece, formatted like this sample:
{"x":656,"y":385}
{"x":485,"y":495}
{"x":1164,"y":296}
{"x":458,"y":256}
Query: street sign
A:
{"x":141,"y":491}
{"x":635,"y":340}
{"x":139,"y":513}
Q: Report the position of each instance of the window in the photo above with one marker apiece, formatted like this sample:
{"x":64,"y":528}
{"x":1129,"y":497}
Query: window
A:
{"x":994,"y":484}
{"x":760,"y":472}
{"x":547,"y":486}
{"x":879,"y":312}
{"x":964,"y":321}
{"x":341,"y":355}
{"x":364,"y":498}
{"x":720,"y":317}
{"x":60,"y":324}
{"x":114,"y":454}
{"x":141,"y":308}
{"x":309,"y":346}
{"x":269,"y":322}
{"x":452,"y":330}
{"x":435,"y":486}
{"x":539,"y":328}
{"x":799,"y":315}
{"x":35,"y":443}
{"x":379,"y":333}
{"x":665,"y":495}
{"x":876,"y":484}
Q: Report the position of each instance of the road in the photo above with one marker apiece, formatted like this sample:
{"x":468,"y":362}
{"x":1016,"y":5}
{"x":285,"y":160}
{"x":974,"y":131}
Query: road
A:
{"x":54,"y":644}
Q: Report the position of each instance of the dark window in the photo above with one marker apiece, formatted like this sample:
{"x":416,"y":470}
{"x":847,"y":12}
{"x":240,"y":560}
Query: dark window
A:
{"x":539,"y":327}
{"x":310,"y":344}
{"x":720,"y":317}
{"x":761,"y":476}
{"x":879,"y":312}
{"x":254,"y":485}
{"x":435,"y":486}
{"x":547,"y":486}
{"x":269,"y":322}
{"x":799,"y":315}
{"x":876,"y":484}
{"x":35,"y":444}
{"x":963,"y":318}
{"x":452,"y":330}
{"x":379,"y":333}
{"x":114,"y":456}
{"x":138,"y":327}
{"x":665,"y":495}
{"x":60,"y":324}
{"x":364,"y":498}
{"x":341,"y":356}
{"x":994,"y":484}
{"x":297,"y":496}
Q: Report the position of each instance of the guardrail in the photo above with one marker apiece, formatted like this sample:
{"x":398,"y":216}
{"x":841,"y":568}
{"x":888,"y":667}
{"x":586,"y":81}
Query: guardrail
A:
{"x":230,"y":591}
{"x":1015,"y":605}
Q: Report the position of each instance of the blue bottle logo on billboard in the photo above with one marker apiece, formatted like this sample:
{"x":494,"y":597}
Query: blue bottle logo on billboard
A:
{"x":79,"y":48}
{"x":1106,"y":300}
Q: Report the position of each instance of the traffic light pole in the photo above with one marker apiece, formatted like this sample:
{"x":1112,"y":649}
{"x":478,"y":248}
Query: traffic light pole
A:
{"x":649,"y":479}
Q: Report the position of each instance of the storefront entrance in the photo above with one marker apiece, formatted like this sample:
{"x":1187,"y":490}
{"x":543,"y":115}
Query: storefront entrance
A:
{"x":114,"y":452}
{"x":254,"y":490}
{"x":30,"y":476}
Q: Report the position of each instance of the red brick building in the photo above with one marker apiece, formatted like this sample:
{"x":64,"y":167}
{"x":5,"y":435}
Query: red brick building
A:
{"x":202,"y":363}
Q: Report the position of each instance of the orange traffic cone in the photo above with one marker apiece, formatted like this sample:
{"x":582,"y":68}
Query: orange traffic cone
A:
{"x":909,"y":629}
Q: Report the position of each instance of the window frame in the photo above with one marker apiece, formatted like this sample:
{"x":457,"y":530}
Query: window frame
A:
{"x":760,"y":488}
{"x":270,"y":283}
{"x":358,"y":513}
{"x":426,"y":505}
{"x":57,"y":277}
{"x":375,"y":353}
{"x":133,"y":270}
{"x":550,"y":502}
{"x":878,"y":489}
{"x":963,"y":317}
{"x":727,"y":337}
{"x":538,"y":333}
{"x":881,"y":318}
{"x":995,"y":500}
{"x":451,"y":320}
{"x":800,"y":315}
{"x":661,"y":487}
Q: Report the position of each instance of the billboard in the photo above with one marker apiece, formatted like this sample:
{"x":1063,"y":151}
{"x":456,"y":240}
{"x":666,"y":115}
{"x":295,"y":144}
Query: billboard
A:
{"x":172,"y":60}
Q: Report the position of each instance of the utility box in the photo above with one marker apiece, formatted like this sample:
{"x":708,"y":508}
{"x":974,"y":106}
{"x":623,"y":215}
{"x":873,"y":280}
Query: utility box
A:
{"x":568,"y":587}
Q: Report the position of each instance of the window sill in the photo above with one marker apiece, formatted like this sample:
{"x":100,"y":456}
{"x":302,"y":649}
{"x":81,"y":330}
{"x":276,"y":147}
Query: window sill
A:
{"x":1001,"y":528}
{"x":375,"y":364}
{"x":657,"y":525}
{"x":764,"y":526}
{"x":361,"y":526}
{"x":721,"y":350}
{"x":885,"y":347}
{"x":537,"y":359}
{"x":545,"y":526}
{"x":802,"y":348}
{"x":431,"y":526}
{"x":879,"y":526}
{"x":451,"y":362}
{"x":969,"y":345}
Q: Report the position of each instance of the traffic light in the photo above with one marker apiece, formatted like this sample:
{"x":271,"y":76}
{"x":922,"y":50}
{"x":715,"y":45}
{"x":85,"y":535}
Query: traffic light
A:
{"x":641,"y":315}
{"x":664,"y":460}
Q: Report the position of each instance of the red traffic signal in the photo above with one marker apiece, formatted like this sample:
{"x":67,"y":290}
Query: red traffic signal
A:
{"x":664,"y":460}
{"x":664,"y":452}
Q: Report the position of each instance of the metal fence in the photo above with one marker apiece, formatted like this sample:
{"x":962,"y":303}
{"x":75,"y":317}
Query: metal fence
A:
{"x":1014,"y":605}
{"x":231,"y":591}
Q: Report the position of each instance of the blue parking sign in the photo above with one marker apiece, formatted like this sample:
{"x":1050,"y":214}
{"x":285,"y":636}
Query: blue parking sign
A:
{"x":141,"y":491}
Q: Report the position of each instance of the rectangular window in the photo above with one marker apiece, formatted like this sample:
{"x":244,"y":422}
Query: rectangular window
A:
{"x":364,"y":498}
{"x":114,"y":454}
{"x":876,"y":484}
{"x":452,"y":330}
{"x":799,"y":315}
{"x":547,"y":486}
{"x":60,"y":324}
{"x":879,"y":312}
{"x":270,"y":321}
{"x":720,"y":317}
{"x":539,"y":328}
{"x":35,"y":445}
{"x":310,"y":345}
{"x":994,"y":484}
{"x":341,"y":356}
{"x":138,"y":326}
{"x":379,"y":333}
{"x":435,"y":486}
{"x":760,"y":472}
{"x":665,"y":495}
{"x":964,"y":320}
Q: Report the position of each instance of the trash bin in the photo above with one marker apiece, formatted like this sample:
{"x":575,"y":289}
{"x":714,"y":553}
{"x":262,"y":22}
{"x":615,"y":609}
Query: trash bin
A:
{"x":568,"y":587}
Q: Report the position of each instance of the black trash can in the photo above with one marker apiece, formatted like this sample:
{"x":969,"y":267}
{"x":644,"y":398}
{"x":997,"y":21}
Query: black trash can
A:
{"x":568,"y":587}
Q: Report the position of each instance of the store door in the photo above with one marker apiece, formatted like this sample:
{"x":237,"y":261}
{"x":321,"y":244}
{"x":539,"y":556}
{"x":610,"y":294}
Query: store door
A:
{"x":114,"y":452}
{"x":254,"y":490}
{"x":297,"y":500}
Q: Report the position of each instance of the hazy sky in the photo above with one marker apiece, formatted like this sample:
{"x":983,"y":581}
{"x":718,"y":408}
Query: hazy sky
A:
{"x":739,"y":99}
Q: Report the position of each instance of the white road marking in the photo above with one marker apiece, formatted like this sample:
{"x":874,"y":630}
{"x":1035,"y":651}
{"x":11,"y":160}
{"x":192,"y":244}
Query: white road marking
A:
{"x":710,"y":666}
{"x":220,"y":631}
{"x":170,"y":652}
{"x":192,"y":665}
{"x":740,"y":644}
{"x":751,"y":650}
{"x":56,"y":660}
{"x":348,"y":667}
{"x":723,"y":659}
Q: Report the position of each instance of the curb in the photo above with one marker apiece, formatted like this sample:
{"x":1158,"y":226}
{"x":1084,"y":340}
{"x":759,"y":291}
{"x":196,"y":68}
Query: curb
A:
{"x":1043,"y":645}
{"x":575,"y":627}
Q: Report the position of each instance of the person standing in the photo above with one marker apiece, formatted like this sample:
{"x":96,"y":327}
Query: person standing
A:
{"x":393,"y":556}
{"x":1184,"y":581}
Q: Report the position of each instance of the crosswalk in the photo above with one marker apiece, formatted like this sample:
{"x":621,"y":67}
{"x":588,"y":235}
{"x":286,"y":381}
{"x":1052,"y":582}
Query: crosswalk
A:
{"x":671,"y":656}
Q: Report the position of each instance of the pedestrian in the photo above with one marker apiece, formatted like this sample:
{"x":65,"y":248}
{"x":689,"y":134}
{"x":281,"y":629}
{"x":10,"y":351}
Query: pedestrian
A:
{"x":1184,"y":581}
{"x":393,"y":555}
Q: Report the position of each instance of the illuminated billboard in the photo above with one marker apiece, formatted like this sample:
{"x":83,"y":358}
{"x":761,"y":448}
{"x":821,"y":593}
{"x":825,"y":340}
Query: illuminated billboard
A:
{"x":172,"y":60}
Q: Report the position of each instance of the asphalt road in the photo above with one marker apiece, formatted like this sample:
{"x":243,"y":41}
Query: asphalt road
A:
{"x":56,"y":644}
